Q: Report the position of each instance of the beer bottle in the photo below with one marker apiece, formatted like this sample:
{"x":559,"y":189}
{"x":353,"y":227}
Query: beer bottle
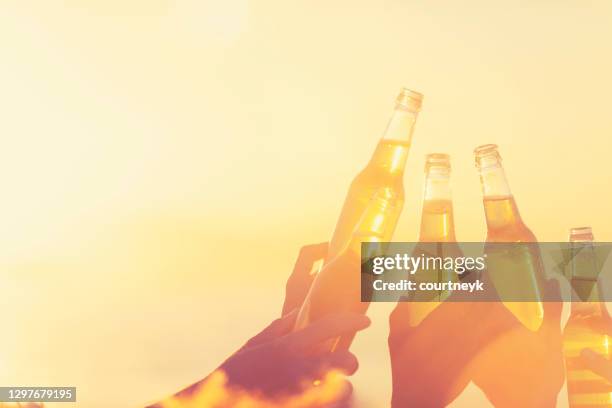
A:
{"x":337,"y":287}
{"x":385,"y":169}
{"x":504,"y":224}
{"x":437,"y":223}
{"x":587,"y":325}
{"x":437,"y":231}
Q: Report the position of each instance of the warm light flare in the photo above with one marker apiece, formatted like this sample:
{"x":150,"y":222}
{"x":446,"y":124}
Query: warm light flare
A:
{"x":377,"y":222}
{"x":214,"y":392}
{"x":397,"y":159}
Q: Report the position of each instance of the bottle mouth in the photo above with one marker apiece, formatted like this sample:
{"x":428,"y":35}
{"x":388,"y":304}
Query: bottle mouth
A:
{"x":485,"y":149}
{"x":439,"y":160}
{"x":410,"y":99}
{"x":487,"y":155}
{"x":581,"y":234}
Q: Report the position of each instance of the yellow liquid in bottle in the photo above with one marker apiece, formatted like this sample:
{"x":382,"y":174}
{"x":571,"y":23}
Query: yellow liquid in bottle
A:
{"x":385,"y":170}
{"x":337,"y":288}
{"x":437,"y":225}
{"x":437,"y":222}
{"x":505,"y":225}
{"x":586,"y":330}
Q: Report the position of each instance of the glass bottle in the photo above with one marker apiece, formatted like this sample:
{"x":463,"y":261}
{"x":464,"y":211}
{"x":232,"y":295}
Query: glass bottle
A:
{"x":505,"y":225}
{"x":587,"y":326}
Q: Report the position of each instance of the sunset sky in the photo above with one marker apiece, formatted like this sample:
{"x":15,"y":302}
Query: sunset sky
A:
{"x":163,"y":161}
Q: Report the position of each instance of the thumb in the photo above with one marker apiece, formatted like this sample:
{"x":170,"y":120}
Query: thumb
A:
{"x":276,"y":329}
{"x":326,"y":328}
{"x":344,"y":361}
{"x":301,"y":278}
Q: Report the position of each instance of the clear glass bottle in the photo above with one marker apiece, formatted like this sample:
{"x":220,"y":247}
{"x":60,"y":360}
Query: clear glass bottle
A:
{"x":504,"y":224}
{"x":385,"y":169}
{"x":437,"y":232}
{"x":588,"y":325}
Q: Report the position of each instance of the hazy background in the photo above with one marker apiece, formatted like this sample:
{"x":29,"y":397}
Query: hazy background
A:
{"x":161,"y":162}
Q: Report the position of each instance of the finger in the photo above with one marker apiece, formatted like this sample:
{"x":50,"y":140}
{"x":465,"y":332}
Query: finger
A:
{"x":302,"y":276}
{"x":276,"y":329}
{"x":343,"y":396}
{"x":347,"y":393}
{"x":340,"y":395}
{"x":344,"y":361}
{"x":597,"y":363}
{"x":308,"y":255}
{"x":327,"y":328}
{"x":314,"y":251}
{"x":284,"y":325}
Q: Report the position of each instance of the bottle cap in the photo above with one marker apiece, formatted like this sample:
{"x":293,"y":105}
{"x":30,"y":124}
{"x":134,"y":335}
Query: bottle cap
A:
{"x":581,"y":234}
{"x":486,"y":154}
{"x":410,"y":99}
{"x":437,"y":160}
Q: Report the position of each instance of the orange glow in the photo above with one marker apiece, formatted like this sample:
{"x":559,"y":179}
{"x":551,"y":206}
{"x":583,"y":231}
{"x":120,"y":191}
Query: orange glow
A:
{"x":162,"y":158}
{"x":214,"y":393}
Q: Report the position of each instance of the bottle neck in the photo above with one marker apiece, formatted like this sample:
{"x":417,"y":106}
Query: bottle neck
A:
{"x":401,"y":125}
{"x":595,"y":308}
{"x":437,"y":184}
{"x":391,"y":154}
{"x":493,"y":181}
{"x":437,"y":222}
{"x":501,"y":211}
{"x":390,"y":157}
{"x":378,"y":221}
{"x":586,"y":293}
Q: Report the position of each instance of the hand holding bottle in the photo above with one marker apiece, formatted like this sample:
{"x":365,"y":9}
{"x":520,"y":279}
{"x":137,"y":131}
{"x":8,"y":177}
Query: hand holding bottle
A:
{"x":433,"y":343}
{"x":276,"y":366}
{"x":431,"y":363}
{"x":279,"y":362}
{"x":519,"y":367}
{"x":586,"y":337}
